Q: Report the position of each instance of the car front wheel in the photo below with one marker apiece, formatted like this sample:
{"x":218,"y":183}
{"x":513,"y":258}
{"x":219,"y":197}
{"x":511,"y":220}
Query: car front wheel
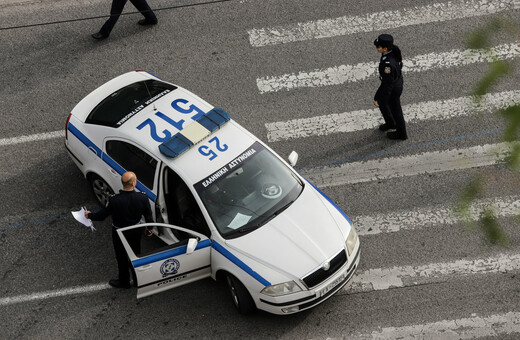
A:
{"x":240,"y":296}
{"x":101,"y":189}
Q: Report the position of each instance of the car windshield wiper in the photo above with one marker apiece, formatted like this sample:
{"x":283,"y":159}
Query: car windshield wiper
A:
{"x":249,"y":228}
{"x":264,"y":221}
{"x":276,"y":213}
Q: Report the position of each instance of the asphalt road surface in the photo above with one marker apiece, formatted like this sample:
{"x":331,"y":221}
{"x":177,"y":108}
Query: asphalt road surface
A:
{"x":299,"y":74}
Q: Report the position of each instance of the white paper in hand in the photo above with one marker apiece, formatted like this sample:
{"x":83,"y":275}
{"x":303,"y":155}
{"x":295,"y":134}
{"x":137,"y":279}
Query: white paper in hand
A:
{"x":80,"y":217}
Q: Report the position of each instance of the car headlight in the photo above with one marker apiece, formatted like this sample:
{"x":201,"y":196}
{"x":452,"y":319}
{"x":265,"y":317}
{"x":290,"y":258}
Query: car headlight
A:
{"x":351,"y":240}
{"x":281,"y":289}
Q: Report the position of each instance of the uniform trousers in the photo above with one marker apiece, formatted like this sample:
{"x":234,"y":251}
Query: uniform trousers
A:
{"x":134,"y":239}
{"x":117,"y":8}
{"x":390,"y":107}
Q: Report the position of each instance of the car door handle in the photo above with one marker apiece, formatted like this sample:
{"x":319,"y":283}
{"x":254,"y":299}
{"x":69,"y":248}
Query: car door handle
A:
{"x":114,"y":172}
{"x":92,"y":152}
{"x":145,"y":267}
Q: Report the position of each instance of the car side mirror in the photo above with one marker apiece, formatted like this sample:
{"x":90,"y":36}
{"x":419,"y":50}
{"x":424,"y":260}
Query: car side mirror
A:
{"x":192,"y":244}
{"x":293,"y":158}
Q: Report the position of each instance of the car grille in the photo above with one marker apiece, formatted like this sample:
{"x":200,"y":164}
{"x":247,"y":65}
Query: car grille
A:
{"x":320,"y":275}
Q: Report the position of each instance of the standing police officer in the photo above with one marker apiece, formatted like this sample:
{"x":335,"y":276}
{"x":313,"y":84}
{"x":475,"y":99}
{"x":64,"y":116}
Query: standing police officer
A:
{"x":126,"y":209}
{"x":387,"y":97}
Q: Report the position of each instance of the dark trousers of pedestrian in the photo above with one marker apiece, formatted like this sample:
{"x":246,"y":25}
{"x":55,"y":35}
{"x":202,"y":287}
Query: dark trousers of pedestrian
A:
{"x":117,"y":8}
{"x":123,"y":263}
{"x":390,"y":107}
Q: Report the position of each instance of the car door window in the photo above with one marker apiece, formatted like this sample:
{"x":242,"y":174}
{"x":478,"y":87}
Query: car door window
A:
{"x":132,"y":158}
{"x":181,"y":205}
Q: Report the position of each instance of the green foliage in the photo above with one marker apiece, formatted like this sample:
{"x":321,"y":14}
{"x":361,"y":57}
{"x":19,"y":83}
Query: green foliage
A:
{"x":492,"y":229}
{"x":497,"y":69}
{"x":469,"y":194}
{"x":480,"y":39}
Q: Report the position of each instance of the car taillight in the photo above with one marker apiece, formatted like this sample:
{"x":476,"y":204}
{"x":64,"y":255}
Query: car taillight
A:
{"x":67,"y":127}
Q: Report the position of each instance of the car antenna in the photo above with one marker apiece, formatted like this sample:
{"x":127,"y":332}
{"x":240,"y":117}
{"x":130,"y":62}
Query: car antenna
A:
{"x":150,"y":95}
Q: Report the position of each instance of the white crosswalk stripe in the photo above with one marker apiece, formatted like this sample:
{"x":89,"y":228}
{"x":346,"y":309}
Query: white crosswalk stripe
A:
{"x":368,"y":119}
{"x":342,"y":74}
{"x":407,"y":276}
{"x":346,"y":25}
{"x":465,"y":328}
{"x":424,"y":163}
{"x":420,"y":218}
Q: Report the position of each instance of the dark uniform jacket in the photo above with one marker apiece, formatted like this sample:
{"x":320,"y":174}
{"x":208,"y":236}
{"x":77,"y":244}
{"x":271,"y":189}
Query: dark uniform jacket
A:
{"x":126,"y":209}
{"x":390,"y":75}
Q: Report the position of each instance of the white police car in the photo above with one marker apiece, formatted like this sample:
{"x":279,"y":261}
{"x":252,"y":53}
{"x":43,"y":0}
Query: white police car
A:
{"x":226,"y":205}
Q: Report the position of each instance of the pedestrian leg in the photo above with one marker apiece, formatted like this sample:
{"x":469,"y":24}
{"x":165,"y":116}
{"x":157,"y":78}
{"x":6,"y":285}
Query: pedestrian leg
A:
{"x":143,"y":7}
{"x":397,"y":114}
{"x":115,"y":13}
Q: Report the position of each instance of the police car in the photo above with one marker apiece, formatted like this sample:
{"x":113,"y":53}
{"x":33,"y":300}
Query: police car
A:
{"x":226,"y":206}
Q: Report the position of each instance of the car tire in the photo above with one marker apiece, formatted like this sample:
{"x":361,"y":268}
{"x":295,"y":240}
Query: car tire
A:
{"x":240,"y":295}
{"x":102,"y":191}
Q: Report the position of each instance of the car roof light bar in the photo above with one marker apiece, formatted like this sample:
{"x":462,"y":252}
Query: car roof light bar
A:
{"x":194,"y":133}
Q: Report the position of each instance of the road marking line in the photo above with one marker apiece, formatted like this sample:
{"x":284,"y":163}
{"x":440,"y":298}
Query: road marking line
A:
{"x":430,"y":217}
{"x":53,"y":293}
{"x":465,"y":328}
{"x":371,"y":118}
{"x":32,"y":138}
{"x":408,"y":276}
{"x":338,"y":75}
{"x":378,"y":21}
{"x":366,"y":281}
{"x":425,"y":163}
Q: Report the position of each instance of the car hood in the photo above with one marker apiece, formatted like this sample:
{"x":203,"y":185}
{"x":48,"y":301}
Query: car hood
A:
{"x":297,"y":241}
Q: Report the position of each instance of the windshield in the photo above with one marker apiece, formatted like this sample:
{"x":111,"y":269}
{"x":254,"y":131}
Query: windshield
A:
{"x":248,"y":192}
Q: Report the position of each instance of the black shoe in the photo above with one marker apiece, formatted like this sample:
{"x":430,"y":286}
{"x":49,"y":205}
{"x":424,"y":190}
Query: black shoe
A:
{"x":99,"y":36}
{"x":118,"y":284}
{"x":146,"y":22}
{"x":386,"y":127}
{"x":396,"y":135}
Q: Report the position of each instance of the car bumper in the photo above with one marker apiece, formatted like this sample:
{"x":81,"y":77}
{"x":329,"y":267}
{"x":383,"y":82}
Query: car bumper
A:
{"x":304,"y":300}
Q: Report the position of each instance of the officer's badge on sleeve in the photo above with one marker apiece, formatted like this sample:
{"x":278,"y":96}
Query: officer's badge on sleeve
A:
{"x":388,"y":70}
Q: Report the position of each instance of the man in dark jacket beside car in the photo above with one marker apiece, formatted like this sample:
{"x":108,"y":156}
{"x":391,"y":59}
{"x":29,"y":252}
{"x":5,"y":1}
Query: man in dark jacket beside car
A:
{"x":126,"y":208}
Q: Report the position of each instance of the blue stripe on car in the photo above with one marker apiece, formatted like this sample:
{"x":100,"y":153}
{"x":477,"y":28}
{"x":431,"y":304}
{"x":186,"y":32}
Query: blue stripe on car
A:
{"x":227,"y":254}
{"x":331,"y":202}
{"x":107,"y":159}
{"x":168,"y":254}
{"x":84,"y":139}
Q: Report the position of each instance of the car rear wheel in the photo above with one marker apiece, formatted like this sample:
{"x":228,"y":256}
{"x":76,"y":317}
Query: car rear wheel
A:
{"x":240,"y":296}
{"x":101,"y":189}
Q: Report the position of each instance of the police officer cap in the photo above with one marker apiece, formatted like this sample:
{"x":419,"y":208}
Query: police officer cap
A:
{"x":384,"y":40}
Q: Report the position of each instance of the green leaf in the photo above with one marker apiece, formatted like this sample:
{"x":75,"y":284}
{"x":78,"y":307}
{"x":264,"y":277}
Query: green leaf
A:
{"x":492,"y":229}
{"x":497,"y":69}
{"x":512,"y":116}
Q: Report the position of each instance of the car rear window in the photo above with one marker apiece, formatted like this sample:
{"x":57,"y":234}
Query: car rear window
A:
{"x":126,"y":102}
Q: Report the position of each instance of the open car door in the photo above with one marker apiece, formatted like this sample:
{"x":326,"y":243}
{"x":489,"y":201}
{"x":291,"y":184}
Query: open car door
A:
{"x":172,"y":256}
